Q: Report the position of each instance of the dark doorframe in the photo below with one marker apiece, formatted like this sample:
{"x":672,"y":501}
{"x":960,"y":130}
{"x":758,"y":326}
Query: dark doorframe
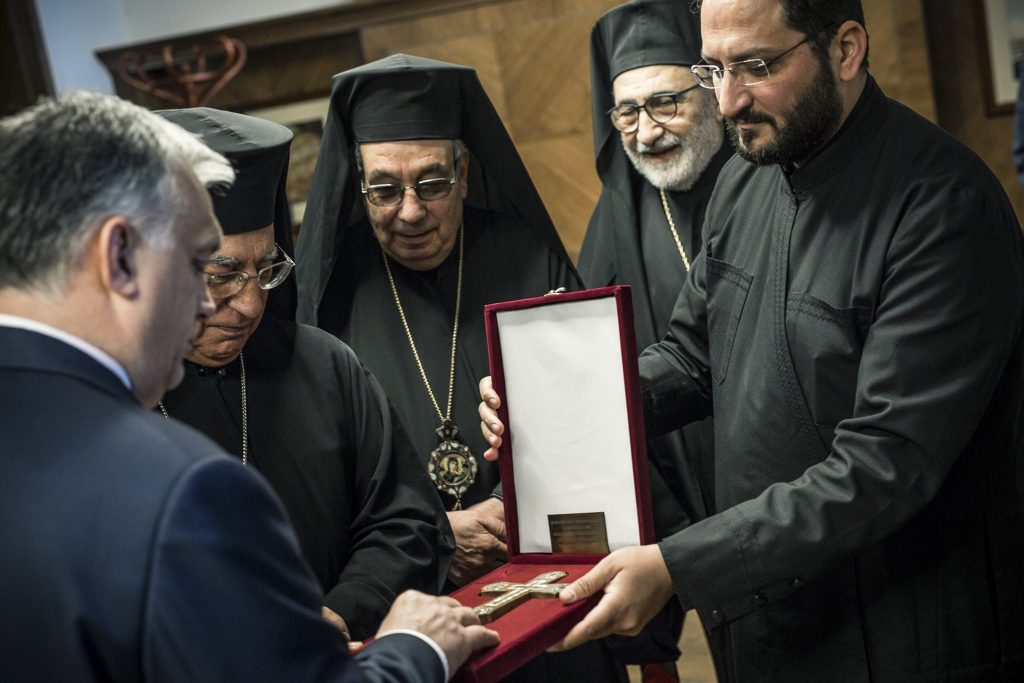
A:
{"x":24,"y":67}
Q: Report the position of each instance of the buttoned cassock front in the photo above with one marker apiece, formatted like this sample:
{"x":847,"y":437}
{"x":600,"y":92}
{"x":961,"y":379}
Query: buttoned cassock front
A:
{"x":856,"y":325}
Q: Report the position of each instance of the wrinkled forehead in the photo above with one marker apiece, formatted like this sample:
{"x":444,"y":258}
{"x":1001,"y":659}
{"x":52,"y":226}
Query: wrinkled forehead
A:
{"x":406,"y":153}
{"x":255,"y":245}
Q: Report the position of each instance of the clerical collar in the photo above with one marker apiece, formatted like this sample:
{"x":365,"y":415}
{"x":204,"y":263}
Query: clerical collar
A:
{"x":97,"y":354}
{"x":231,"y":369}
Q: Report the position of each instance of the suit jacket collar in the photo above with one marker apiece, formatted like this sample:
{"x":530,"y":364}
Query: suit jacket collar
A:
{"x":34,"y":352}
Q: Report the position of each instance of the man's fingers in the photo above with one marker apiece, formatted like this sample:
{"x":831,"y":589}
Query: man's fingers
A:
{"x":495,"y":527}
{"x":490,"y":425}
{"x":480,"y":637}
{"x":466,"y":616}
{"x":597,"y":624}
{"x":589,"y":584}
{"x":487,"y":428}
{"x":449,"y":601}
{"x":487,"y":393}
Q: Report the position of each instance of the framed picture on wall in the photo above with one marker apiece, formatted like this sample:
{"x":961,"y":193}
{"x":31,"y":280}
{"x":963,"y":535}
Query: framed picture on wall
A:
{"x":1001,"y":25}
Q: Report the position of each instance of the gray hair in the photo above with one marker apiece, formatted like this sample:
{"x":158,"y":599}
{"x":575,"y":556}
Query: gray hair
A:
{"x":68,"y":165}
{"x":458,"y":149}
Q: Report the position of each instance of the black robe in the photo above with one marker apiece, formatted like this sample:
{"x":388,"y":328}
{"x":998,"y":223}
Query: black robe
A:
{"x":502,"y":262}
{"x":322,"y":433}
{"x":857,"y":326}
{"x":629,"y":242}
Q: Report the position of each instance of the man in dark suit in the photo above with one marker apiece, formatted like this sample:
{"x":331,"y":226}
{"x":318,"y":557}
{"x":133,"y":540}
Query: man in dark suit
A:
{"x":123,"y":557}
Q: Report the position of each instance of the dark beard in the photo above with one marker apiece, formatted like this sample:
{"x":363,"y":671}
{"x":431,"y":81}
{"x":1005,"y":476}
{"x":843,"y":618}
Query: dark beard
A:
{"x":812,"y":121}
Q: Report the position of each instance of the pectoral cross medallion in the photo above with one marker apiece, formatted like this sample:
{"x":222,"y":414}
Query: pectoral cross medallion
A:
{"x":511,"y":595}
{"x":452,"y":466}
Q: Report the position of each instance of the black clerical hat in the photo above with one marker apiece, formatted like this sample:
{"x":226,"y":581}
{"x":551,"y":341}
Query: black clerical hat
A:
{"x":258,"y":150}
{"x":403,"y":97}
{"x":647,"y":32}
{"x":636,"y":34}
{"x":414,"y":104}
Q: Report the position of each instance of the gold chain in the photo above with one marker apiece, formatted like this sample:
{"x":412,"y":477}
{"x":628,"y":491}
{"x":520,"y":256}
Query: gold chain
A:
{"x":447,"y":415}
{"x":672,"y":227}
{"x":245,"y":413}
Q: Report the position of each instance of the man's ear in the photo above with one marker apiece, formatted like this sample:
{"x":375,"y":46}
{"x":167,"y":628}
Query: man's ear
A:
{"x":852,"y":42}
{"x":118,"y":250}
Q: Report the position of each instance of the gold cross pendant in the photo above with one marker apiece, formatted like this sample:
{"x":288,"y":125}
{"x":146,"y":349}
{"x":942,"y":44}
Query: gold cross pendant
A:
{"x":512,"y":595}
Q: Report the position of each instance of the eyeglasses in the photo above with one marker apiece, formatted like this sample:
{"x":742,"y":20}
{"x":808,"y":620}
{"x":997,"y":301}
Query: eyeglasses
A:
{"x":224,"y":285}
{"x":661,"y":107}
{"x":747,"y":72}
{"x":392,"y":194}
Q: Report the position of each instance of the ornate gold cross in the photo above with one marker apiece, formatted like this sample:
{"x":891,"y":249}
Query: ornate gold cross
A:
{"x":512,"y":595}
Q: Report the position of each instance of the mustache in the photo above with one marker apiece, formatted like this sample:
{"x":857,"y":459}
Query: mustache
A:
{"x":751,"y":116}
{"x":666,"y":142}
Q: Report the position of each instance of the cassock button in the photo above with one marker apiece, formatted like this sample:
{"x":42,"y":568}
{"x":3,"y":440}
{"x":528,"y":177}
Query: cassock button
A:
{"x":222,"y":373}
{"x":202,"y":372}
{"x":759,"y":600}
{"x":796,"y":582}
{"x":717,"y":616}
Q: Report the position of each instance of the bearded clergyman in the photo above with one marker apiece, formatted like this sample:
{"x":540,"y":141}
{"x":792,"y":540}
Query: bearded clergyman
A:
{"x":659,"y":143}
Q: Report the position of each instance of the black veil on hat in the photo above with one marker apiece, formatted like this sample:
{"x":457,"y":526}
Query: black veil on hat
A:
{"x":403,"y":97}
{"x":258,"y":150}
{"x":636,"y":34}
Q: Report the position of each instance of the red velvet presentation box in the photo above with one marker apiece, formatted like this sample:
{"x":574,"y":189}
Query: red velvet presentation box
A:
{"x":566,"y":368}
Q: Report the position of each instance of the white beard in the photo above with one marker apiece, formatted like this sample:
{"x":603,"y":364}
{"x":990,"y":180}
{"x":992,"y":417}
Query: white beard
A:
{"x":681,"y":173}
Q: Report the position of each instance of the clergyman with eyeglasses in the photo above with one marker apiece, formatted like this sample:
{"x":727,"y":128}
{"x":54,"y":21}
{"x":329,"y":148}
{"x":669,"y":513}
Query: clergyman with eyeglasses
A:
{"x":659,"y":144}
{"x":854,"y":322}
{"x":420,"y":213}
{"x":295,"y":404}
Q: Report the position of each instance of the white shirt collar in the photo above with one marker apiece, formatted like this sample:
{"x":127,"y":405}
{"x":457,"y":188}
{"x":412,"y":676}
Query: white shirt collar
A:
{"x":100,"y":356}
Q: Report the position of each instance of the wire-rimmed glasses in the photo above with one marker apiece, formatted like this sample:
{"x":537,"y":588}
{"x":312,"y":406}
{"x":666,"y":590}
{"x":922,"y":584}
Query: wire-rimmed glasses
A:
{"x":391,"y":194}
{"x":747,"y":72}
{"x":224,"y":285}
{"x":661,"y":107}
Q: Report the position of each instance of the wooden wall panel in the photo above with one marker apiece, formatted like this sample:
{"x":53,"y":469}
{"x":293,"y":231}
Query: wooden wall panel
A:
{"x":955,"y":49}
{"x":899,"y":52}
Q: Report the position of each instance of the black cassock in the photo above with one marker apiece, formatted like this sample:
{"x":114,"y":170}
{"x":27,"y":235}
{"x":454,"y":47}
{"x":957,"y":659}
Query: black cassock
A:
{"x":629,"y":242}
{"x":323,"y":434}
{"x":512,"y":251}
{"x":502,"y":262}
{"x":857,"y":325}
